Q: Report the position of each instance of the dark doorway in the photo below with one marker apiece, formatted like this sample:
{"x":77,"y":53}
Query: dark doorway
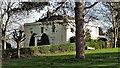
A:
{"x":44,"y":39}
{"x":72,"y":39}
{"x":32,"y":40}
{"x":103,"y":39}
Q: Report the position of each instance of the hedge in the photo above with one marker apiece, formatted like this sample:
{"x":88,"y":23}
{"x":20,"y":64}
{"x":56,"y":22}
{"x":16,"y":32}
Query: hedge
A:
{"x":36,"y":50}
{"x":97,"y":44}
{"x":46,"y":49}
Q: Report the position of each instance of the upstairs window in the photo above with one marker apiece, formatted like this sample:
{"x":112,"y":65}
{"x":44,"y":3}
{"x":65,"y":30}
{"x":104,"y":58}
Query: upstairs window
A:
{"x":72,"y":30}
{"x":31,"y":32}
{"x":42,"y":29}
{"x":53,"y":28}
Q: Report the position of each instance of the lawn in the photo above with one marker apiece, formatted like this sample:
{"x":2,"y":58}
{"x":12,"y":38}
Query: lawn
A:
{"x":102,"y":58}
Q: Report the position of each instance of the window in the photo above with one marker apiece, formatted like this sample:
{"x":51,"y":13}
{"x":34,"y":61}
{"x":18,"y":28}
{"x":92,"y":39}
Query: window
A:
{"x":31,"y":32}
{"x":72,"y":30}
{"x":53,"y":28}
{"x":53,"y":41}
{"x":42,"y":29}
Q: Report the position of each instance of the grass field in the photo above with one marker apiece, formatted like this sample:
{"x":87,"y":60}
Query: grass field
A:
{"x":102,"y":58}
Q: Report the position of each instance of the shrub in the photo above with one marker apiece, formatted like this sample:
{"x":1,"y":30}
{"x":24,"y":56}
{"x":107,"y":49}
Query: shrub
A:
{"x":72,"y":47}
{"x":8,"y":53}
{"x":97,"y":44}
{"x":36,"y":50}
{"x":53,"y":48}
{"x":64,"y":47}
{"x":12,"y":53}
{"x":92,"y":43}
{"x":26,"y":51}
{"x":44,"y":49}
{"x":104,"y":44}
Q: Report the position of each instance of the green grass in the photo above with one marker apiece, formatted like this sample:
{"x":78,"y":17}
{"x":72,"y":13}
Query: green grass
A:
{"x":102,"y":58}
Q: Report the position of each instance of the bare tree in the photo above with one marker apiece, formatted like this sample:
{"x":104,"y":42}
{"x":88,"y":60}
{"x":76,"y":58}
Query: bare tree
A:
{"x":18,"y":36}
{"x":9,"y":18}
{"x":5,"y":15}
{"x":113,"y":16}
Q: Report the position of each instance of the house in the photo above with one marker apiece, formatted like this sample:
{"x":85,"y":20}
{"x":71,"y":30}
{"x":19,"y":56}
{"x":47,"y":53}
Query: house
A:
{"x":55,"y":31}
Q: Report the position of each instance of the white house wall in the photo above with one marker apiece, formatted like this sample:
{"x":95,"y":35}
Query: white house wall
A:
{"x":69,"y":33}
{"x":57,"y":37}
{"x":61,"y":35}
{"x":94,"y":31}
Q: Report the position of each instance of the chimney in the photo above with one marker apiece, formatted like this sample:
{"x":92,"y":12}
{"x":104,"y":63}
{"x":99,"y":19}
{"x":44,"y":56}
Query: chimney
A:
{"x":49,"y":12}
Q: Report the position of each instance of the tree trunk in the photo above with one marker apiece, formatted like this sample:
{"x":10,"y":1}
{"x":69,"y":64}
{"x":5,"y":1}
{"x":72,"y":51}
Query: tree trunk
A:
{"x":115,"y":36}
{"x":79,"y":21}
{"x":18,"y":50}
{"x":4,"y":39}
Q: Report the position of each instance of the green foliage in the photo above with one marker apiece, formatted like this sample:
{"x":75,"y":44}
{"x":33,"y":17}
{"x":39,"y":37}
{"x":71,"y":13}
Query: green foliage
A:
{"x":97,"y":44}
{"x":26,"y":51}
{"x":88,"y":36}
{"x":7,"y":52}
{"x":34,"y":48}
{"x":44,"y":49}
{"x":53,"y":48}
{"x":109,"y":34}
{"x":72,"y":47}
{"x":12,"y":53}
{"x":65,"y":47}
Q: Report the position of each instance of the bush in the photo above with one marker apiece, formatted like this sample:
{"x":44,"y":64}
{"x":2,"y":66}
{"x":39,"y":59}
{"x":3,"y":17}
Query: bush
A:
{"x":44,"y":49}
{"x":8,"y":53}
{"x":12,"y":53}
{"x":26,"y":51}
{"x":72,"y":47}
{"x":54,"y":48}
{"x":64,"y":47}
{"x":36,"y":50}
{"x":97,"y":44}
{"x":104,"y":44}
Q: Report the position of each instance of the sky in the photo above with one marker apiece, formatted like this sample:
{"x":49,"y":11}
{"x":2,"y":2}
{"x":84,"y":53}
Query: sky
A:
{"x":36,"y":15}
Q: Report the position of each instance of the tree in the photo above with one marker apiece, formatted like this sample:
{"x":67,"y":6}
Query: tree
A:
{"x":7,"y":18}
{"x":87,"y":35}
{"x":114,"y":19}
{"x":109,"y":34}
{"x":18,"y":37}
{"x":79,"y":22}
{"x":5,"y":13}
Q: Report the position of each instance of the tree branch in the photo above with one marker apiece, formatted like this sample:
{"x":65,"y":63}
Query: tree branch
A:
{"x":91,"y":6}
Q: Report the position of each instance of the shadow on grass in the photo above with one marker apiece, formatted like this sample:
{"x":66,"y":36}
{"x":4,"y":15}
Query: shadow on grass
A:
{"x":100,"y":60}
